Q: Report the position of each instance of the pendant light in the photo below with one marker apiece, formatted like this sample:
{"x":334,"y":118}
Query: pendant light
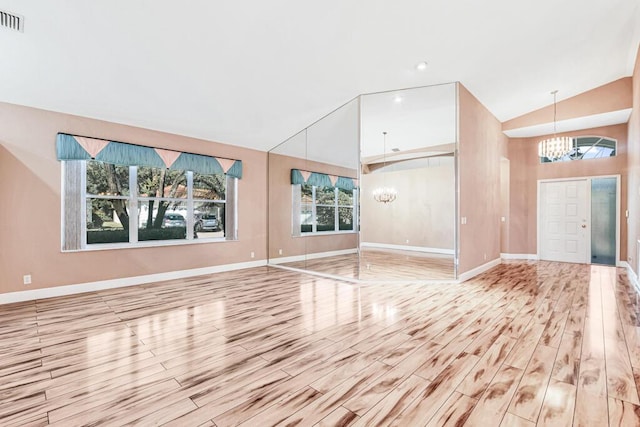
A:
{"x":384,"y":194}
{"x":559,"y":146}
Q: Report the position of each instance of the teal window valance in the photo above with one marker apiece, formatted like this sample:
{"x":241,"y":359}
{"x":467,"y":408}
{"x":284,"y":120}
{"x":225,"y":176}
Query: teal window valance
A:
{"x":74,"y":147}
{"x":322,"y":179}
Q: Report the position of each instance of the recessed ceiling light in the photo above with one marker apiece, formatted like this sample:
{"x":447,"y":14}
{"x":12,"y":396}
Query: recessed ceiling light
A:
{"x":421,"y":66}
{"x":395,"y":150}
{"x":397,"y":99}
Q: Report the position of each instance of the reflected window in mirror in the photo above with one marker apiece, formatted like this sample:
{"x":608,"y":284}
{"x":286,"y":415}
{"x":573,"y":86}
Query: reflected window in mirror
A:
{"x":324,"y":209}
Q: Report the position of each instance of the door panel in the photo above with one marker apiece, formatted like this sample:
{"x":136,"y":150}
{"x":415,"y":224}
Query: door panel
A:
{"x":564,"y":219}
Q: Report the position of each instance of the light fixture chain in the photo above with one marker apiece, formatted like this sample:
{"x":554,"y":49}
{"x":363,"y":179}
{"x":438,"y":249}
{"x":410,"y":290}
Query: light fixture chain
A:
{"x":555,"y":111}
{"x":384,"y":150}
{"x":557,"y":147}
{"x":384,"y":194}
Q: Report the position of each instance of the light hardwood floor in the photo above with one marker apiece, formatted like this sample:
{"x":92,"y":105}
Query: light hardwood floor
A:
{"x":525,"y":344}
{"x":385,"y":264}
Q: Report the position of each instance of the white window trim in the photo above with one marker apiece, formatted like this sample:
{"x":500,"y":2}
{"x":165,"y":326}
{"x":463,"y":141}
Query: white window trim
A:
{"x":83,"y":204}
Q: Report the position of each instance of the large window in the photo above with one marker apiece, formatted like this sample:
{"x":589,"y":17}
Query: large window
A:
{"x":131,"y":205}
{"x":325,"y":209}
{"x":587,"y":147}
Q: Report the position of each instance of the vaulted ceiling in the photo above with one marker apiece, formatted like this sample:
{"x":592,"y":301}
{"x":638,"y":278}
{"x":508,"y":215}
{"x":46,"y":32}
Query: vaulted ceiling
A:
{"x":253,"y":73}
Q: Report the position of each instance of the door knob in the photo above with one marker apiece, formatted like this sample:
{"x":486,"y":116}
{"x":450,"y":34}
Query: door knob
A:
{"x":584,"y":225}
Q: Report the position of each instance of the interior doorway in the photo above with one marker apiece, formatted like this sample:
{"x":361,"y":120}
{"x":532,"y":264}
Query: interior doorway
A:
{"x":578,"y":220}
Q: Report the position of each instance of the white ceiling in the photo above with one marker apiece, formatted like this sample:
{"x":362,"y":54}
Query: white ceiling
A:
{"x":253,"y":73}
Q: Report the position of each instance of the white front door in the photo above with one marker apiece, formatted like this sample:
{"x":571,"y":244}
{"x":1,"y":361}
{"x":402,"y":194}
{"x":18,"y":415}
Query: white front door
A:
{"x":564,"y":221}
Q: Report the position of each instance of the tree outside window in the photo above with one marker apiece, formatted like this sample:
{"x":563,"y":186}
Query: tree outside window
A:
{"x":166,"y":203}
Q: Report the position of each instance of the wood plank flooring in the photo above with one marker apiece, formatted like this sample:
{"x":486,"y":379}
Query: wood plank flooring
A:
{"x":525,"y":344}
{"x":382,"y":264}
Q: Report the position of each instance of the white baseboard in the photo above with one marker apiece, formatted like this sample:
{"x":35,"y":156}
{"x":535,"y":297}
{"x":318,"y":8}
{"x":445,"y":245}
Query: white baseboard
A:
{"x":407,"y":248}
{"x":633,"y":278}
{"x":391,"y":282}
{"x":531,"y":257}
{"x":59,"y":291}
{"x":316,"y":255}
{"x":317,"y":273}
{"x":286,"y":259}
{"x":478,"y":270}
{"x":332,"y":253}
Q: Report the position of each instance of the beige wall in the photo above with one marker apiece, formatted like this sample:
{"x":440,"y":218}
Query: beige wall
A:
{"x":603,"y":99}
{"x":422,"y":215}
{"x":30,"y":217}
{"x":280,"y":205}
{"x":634,"y":170}
{"x":526,"y":170}
{"x":481,"y":145}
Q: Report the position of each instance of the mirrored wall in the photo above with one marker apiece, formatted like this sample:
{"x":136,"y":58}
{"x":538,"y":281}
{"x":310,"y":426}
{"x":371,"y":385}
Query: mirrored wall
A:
{"x":369,"y":191}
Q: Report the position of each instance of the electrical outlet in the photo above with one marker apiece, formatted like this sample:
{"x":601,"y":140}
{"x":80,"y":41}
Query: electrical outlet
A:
{"x":407,"y":241}
{"x":279,"y":251}
{"x":253,"y":254}
{"x":26,"y":279}
{"x":485,"y":257}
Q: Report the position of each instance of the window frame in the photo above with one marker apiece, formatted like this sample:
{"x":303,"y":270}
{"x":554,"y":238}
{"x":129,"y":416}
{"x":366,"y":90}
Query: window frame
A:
{"x":133,"y":200}
{"x":314,"y":205}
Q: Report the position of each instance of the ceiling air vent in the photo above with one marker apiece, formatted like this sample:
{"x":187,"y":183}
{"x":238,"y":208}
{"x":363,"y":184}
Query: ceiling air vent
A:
{"x":11,"y":21}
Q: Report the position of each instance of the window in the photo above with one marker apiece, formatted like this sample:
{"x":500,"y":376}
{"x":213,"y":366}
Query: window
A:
{"x":324,"y":209}
{"x":127,"y":194}
{"x":131,"y":205}
{"x":587,"y":147}
{"x":107,"y":198}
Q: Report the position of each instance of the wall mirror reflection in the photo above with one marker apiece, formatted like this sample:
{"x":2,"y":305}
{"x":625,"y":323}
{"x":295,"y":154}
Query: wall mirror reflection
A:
{"x":369,"y":191}
{"x":408,"y":184}
{"x":313,"y":196}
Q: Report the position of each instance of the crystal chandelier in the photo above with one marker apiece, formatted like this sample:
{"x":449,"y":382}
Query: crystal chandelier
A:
{"x":384,"y":194}
{"x":558,"y":146}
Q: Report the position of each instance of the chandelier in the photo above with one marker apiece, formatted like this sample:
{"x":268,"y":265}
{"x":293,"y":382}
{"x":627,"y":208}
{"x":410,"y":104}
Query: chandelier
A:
{"x":384,"y":194}
{"x":558,"y":146}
